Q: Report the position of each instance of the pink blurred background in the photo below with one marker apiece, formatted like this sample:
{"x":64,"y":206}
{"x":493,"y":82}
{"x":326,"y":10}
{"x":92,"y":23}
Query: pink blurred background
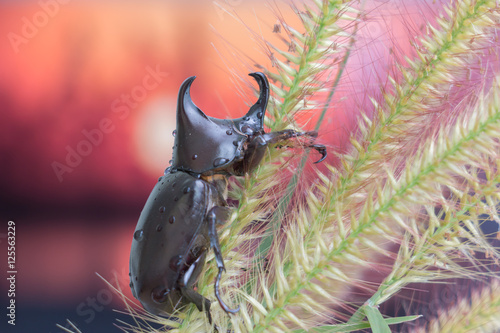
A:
{"x":88,"y":92}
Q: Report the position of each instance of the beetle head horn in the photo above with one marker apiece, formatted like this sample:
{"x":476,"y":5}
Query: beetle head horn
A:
{"x":186,"y":109}
{"x":258,"y":110}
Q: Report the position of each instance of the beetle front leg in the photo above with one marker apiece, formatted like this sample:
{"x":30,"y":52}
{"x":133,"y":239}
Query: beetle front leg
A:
{"x":276,"y":137}
{"x":218,"y":215}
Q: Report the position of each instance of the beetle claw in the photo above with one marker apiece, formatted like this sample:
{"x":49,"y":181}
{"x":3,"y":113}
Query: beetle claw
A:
{"x":322,"y":150}
{"x":217,"y":294}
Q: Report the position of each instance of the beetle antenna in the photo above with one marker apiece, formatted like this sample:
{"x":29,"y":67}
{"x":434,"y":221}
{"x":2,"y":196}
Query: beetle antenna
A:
{"x":217,"y":294}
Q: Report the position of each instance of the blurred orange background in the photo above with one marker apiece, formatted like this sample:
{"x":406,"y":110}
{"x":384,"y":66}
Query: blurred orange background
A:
{"x":88,"y":94}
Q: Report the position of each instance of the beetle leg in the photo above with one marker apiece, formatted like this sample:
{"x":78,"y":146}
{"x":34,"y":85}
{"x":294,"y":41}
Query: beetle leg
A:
{"x":222,"y":214}
{"x":276,"y":137}
{"x":213,"y":215}
{"x":198,"y":300}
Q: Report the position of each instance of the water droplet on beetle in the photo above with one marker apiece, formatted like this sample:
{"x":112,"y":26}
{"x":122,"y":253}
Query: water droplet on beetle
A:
{"x":259,"y":115}
{"x":171,"y":220}
{"x":247,"y":130}
{"x":194,"y":157}
{"x":162,"y":209}
{"x":159,"y":179}
{"x":220,"y":161}
{"x":167,"y":170}
{"x":229,"y":132}
{"x":159,"y":227}
{"x":139,"y":235}
{"x":160,"y":294}
{"x":246,"y":118}
{"x":236,"y":143}
{"x":170,"y":162}
{"x":174,"y":132}
{"x":131,"y":285}
{"x":175,"y":262}
{"x":187,"y":189}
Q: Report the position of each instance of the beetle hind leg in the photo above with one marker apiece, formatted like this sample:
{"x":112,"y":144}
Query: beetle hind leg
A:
{"x":217,"y":294}
{"x":214,"y":243}
{"x":201,"y":302}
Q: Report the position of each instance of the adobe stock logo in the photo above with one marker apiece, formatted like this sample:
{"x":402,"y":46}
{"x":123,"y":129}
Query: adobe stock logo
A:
{"x":120,"y":106}
{"x":30,"y":27}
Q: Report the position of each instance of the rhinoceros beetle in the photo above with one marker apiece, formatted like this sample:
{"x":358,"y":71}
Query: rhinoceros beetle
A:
{"x":177,"y":226}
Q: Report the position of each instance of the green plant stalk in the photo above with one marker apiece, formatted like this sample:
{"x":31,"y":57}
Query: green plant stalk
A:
{"x":403,"y":274}
{"x":304,"y":61}
{"x":357,"y":326}
{"x":284,"y":203}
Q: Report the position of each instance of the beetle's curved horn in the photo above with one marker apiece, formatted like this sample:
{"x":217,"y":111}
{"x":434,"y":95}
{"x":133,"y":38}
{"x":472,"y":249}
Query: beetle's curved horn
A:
{"x":261,"y":104}
{"x":187,"y":111}
{"x":202,"y":143}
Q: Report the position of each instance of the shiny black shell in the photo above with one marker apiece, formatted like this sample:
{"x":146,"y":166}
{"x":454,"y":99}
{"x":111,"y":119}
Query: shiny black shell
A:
{"x":170,"y":236}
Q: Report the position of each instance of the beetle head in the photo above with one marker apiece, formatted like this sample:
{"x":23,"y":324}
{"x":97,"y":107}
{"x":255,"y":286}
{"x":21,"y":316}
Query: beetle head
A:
{"x":205,"y":143}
